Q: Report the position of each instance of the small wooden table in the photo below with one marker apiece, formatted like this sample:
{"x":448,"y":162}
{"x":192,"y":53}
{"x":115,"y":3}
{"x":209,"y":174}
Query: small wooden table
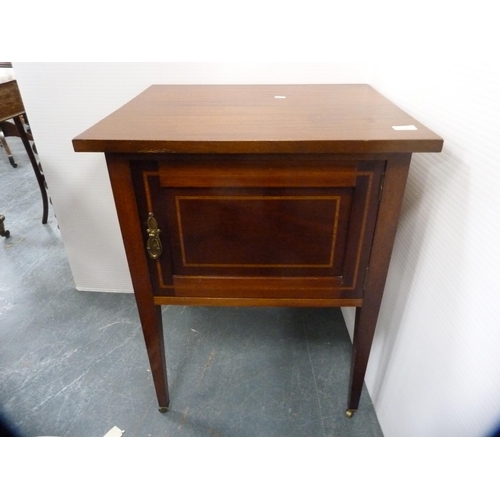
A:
{"x":264,"y":195}
{"x":12,"y":107}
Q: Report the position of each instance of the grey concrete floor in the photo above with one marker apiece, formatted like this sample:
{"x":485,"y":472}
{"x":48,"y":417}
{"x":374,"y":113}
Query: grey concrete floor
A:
{"x":74,"y":363}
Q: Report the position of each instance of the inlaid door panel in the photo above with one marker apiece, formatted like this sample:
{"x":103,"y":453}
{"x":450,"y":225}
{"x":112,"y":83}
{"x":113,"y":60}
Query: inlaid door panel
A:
{"x":272,"y":232}
{"x":261,"y":229}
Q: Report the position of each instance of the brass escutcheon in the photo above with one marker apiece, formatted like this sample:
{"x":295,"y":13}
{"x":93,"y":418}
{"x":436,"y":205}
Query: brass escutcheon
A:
{"x":153,"y":246}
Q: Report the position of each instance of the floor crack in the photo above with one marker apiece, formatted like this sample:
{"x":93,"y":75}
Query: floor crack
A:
{"x":315,"y":382}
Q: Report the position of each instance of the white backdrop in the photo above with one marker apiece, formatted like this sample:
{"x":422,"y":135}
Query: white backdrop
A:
{"x":435,"y":368}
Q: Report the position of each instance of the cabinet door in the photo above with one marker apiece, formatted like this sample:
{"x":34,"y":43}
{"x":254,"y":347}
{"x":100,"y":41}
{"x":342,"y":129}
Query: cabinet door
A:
{"x":260,"y":226}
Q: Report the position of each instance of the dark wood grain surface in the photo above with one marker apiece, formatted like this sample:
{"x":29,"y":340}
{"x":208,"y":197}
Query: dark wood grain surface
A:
{"x":11,"y":103}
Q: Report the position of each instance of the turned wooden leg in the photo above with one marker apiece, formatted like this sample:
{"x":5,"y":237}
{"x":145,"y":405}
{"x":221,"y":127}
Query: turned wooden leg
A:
{"x":40,"y":177}
{"x":5,"y":145}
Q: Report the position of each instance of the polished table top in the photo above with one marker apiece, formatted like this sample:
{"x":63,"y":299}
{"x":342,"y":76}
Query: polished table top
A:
{"x":351,"y":118}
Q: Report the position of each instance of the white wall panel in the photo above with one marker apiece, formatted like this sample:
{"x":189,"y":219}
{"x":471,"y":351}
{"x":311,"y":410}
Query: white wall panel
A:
{"x":435,"y":368}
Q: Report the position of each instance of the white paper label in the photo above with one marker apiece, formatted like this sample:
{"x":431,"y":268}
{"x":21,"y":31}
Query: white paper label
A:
{"x":280,"y":96}
{"x":404,"y":127}
{"x":115,"y":432}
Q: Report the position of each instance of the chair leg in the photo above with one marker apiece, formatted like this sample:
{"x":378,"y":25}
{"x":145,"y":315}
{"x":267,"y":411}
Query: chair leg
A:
{"x":7,"y":149}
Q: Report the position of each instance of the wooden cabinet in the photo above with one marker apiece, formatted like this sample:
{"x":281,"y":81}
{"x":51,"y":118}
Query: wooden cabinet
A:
{"x":259,"y":195}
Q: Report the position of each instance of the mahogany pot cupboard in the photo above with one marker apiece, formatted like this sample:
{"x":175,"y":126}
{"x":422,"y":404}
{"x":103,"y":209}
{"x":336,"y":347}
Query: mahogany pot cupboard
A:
{"x":258,"y":195}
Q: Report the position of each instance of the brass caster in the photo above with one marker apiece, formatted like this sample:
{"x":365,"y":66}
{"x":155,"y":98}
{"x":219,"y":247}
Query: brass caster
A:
{"x":163,"y":409}
{"x":349,"y":413}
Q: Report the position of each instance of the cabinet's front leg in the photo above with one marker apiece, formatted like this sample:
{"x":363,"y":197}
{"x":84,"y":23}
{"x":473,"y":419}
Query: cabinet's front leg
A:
{"x":152,"y":329}
{"x":364,"y":329}
{"x":150,"y":314}
{"x":396,"y":173}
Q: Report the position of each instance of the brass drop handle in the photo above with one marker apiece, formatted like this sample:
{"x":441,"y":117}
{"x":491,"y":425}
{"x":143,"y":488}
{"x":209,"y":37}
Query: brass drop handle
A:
{"x":153,"y":246}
